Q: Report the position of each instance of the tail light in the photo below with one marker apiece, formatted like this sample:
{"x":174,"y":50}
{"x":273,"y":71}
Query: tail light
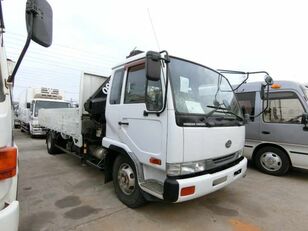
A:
{"x":8,"y":162}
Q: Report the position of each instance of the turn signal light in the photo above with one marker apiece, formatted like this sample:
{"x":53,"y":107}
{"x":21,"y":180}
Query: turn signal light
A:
{"x":8,"y":162}
{"x":155,"y":161}
{"x":187,"y":191}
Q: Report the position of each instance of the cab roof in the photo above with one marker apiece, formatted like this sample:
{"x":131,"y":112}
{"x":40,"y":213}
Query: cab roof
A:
{"x":256,"y":86}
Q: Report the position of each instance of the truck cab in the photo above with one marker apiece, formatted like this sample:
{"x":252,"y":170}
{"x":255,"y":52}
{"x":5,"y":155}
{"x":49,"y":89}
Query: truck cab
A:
{"x":39,"y":27}
{"x":35,"y":99}
{"x":183,"y":131}
{"x":161,"y":128}
{"x":277,"y":140}
{"x":9,"y":206}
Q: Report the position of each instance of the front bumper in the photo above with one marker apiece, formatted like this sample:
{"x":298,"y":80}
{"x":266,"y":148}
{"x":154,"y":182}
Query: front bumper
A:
{"x":204,"y":184}
{"x":9,"y":217}
{"x":39,"y":131}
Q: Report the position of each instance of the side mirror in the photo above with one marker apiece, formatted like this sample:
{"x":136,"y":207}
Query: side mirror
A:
{"x":28,"y":105}
{"x":269,"y":80}
{"x":153,"y":65}
{"x":39,"y":28}
{"x":305,"y":121}
{"x":39,"y":21}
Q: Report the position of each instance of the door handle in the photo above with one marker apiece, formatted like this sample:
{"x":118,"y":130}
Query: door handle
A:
{"x":123,"y":123}
{"x":266,"y":132}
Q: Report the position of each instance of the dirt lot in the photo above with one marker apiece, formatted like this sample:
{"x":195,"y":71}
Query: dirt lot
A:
{"x":57,"y":193}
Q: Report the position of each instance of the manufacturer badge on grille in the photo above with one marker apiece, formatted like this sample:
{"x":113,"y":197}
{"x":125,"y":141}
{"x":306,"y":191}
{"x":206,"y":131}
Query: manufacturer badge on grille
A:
{"x":228,"y":144}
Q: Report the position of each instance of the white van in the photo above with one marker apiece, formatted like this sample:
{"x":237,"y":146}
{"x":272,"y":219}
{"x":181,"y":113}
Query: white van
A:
{"x":278,"y":139}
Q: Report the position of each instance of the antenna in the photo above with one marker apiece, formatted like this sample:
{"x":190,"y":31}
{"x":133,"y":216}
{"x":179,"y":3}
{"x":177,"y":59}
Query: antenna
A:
{"x":153,"y":29}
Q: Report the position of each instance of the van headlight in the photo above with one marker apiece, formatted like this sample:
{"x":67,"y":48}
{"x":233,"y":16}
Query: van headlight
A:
{"x":185,"y":168}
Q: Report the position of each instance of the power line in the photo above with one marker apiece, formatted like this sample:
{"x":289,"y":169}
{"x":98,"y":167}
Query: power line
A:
{"x":22,"y":38}
{"x":57,"y":59}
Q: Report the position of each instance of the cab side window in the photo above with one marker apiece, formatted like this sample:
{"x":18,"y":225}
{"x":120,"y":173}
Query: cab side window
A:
{"x":247,"y":103}
{"x":284,"y":107}
{"x":135,"y":85}
{"x":115,"y":94}
{"x":140,"y":90}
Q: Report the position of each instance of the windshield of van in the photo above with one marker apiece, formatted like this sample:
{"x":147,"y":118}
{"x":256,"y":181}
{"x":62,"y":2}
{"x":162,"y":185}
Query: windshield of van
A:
{"x":200,"y":90}
{"x":49,"y":104}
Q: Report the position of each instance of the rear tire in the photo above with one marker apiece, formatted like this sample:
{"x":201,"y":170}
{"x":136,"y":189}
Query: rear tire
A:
{"x":50,"y":142}
{"x":125,"y":182}
{"x":272,"y":160}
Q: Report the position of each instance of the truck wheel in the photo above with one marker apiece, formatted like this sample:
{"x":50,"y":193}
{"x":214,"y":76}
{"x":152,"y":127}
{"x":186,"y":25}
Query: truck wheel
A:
{"x":125,"y":182}
{"x":50,"y":142}
{"x":272,"y":161}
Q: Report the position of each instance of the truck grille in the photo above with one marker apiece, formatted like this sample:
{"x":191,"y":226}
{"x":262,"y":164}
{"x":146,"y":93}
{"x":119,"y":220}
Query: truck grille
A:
{"x":224,"y":158}
{"x":220,"y":161}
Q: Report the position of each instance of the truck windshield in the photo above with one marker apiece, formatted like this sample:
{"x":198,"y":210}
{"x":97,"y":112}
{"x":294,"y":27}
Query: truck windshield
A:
{"x":49,"y":104}
{"x":200,"y":90}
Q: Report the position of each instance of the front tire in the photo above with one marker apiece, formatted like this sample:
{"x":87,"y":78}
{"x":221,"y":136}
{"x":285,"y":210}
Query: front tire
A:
{"x":272,"y":160}
{"x":125,"y":183}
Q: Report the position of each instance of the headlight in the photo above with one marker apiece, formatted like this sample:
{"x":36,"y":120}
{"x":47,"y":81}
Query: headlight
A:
{"x":185,"y":168}
{"x":239,"y":153}
{"x":198,"y":166}
{"x":35,"y":123}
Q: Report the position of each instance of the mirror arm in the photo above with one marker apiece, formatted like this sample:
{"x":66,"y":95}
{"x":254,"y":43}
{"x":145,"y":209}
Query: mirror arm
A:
{"x":22,"y":54}
{"x":267,"y":100}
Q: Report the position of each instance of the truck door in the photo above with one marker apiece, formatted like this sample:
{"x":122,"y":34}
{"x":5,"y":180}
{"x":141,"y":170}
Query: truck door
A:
{"x":145,"y":135}
{"x":281,"y":122}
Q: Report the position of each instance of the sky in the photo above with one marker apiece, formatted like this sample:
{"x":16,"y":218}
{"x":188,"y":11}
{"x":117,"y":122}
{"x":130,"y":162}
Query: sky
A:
{"x":93,"y":36}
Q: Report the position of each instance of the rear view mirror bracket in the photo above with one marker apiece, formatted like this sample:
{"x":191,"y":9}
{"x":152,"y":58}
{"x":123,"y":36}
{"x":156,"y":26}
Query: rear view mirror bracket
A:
{"x":151,"y":75}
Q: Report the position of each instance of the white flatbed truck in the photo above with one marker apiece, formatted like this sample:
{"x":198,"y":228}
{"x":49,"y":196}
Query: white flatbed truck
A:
{"x":166,"y":128}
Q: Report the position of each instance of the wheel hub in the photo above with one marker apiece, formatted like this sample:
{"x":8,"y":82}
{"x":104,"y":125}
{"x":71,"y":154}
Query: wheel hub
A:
{"x":271,"y":161}
{"x":126,"y":179}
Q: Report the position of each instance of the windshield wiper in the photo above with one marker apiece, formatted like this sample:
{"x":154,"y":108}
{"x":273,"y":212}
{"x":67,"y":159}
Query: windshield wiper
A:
{"x":223,"y":110}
